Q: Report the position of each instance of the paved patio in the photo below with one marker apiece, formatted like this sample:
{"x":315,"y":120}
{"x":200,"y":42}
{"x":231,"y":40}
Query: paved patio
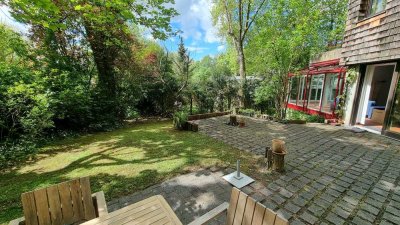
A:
{"x":333,"y":176}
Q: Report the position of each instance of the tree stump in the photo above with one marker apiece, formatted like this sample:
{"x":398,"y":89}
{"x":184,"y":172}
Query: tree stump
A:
{"x":278,"y":163}
{"x":278,"y":146}
{"x":268,"y":156}
{"x":195,"y":127}
{"x":233,"y":120}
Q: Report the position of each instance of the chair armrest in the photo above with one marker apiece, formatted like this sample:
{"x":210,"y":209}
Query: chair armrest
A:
{"x":100,"y":203}
{"x":211,"y":214}
{"x":17,"y":221}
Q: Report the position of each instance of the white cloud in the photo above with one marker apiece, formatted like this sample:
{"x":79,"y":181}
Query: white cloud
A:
{"x":221,"y":48}
{"x":197,"y":49}
{"x":195,"y":20}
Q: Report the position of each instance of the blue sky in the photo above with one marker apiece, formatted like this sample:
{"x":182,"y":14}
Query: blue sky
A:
{"x":198,"y":32}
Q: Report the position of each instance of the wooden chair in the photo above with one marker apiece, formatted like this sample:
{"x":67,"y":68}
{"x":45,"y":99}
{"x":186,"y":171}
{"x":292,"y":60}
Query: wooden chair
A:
{"x":244,"y":210}
{"x":70,"y":202}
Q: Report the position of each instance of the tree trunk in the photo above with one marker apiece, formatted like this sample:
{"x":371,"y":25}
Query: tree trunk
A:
{"x":221,"y":103}
{"x":191,"y":104}
{"x":242,"y":74}
{"x":104,"y":59}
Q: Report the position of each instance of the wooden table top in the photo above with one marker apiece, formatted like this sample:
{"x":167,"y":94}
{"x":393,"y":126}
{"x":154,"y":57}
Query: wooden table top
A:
{"x":154,"y":210}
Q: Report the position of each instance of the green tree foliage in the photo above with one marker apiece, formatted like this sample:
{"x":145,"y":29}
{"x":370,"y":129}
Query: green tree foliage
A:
{"x":82,"y":68}
{"x":97,"y":25}
{"x":25,"y":108}
{"x":235,"y":19}
{"x":288,"y":34}
{"x":214,"y":85}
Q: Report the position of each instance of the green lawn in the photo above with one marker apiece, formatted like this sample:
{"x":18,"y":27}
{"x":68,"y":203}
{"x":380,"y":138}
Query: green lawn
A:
{"x":118,"y":162}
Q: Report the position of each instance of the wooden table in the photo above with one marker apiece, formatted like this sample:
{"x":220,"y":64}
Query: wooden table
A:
{"x":154,"y":210}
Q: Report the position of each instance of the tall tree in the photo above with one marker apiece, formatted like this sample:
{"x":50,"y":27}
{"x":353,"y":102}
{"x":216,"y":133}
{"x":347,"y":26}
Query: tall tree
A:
{"x":235,"y":19}
{"x":184,"y":68}
{"x":102,"y":25}
{"x":288,"y":34}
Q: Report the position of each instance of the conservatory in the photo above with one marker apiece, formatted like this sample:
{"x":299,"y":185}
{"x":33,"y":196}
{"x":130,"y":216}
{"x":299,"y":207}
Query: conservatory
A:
{"x":315,"y":90}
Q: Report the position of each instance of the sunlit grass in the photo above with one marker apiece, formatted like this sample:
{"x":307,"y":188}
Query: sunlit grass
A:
{"x":118,"y":162}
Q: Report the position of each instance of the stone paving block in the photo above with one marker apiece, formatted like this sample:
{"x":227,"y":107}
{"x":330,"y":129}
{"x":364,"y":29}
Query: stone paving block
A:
{"x":258,"y":197}
{"x":273,"y":187}
{"x":248,"y":190}
{"x":297,"y":222}
{"x":384,"y":222}
{"x":370,"y":209}
{"x":309,"y":218}
{"x":340,"y":212}
{"x":366,"y":216}
{"x":257,"y":185}
{"x":292,"y":208}
{"x":265,"y":191}
{"x":284,"y":214}
{"x":285,"y":193}
{"x":316,"y":210}
{"x":391,"y":218}
{"x":277,"y":199}
{"x":358,"y":220}
{"x":299,"y":201}
{"x":327,"y":197}
{"x":333,"y":218}
{"x":269,"y":204}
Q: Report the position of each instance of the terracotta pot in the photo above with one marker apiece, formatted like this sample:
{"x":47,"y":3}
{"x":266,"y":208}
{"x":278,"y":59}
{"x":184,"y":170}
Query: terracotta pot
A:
{"x":278,"y":146}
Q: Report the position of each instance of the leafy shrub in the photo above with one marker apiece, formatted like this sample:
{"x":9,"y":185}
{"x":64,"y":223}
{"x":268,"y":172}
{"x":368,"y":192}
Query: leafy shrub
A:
{"x":247,"y":112}
{"x":132,"y":113}
{"x":297,"y":115}
{"x":180,"y":119}
{"x":14,"y":151}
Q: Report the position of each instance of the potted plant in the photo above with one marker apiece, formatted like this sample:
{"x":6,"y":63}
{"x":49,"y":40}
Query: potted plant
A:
{"x":180,"y":120}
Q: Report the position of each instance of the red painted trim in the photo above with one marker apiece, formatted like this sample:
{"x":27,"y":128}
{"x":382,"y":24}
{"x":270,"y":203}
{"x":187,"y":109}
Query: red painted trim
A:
{"x":332,"y":62}
{"x":311,"y":111}
{"x":322,"y":95}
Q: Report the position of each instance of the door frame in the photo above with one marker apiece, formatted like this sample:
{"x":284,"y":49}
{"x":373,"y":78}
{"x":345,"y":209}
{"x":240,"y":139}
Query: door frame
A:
{"x":390,"y":102}
{"x":362,"y":104}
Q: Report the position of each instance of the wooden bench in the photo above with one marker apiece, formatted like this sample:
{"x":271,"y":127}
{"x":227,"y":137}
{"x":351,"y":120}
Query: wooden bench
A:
{"x":70,"y":202}
{"x":244,"y":210}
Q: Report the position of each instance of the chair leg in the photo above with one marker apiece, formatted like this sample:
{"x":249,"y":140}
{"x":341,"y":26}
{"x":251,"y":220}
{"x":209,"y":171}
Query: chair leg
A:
{"x":100,"y":202}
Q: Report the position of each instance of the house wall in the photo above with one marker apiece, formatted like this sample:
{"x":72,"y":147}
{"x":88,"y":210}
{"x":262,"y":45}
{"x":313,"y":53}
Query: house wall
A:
{"x":350,"y":100}
{"x":372,"y":39}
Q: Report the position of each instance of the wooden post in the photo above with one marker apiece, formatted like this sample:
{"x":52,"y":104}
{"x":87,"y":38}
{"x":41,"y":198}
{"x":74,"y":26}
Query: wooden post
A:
{"x":232,"y":120}
{"x":278,"y":155}
{"x":278,"y":161}
{"x":278,"y":146}
{"x":268,"y":156}
{"x":195,"y":127}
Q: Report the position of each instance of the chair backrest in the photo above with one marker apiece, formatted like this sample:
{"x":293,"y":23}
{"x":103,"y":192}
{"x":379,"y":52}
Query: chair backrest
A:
{"x":64,"y":203}
{"x":246,"y":211}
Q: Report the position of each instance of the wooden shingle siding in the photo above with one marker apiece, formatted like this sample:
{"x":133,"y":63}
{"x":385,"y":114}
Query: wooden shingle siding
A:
{"x":372,"y":39}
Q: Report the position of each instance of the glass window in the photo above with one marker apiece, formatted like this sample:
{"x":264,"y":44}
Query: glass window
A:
{"x":315,"y":91}
{"x":376,"y":6}
{"x":294,"y":86}
{"x":300,"y":100}
{"x":328,"y":101}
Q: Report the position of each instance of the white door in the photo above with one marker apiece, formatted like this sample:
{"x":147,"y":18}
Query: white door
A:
{"x":362,"y":110}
